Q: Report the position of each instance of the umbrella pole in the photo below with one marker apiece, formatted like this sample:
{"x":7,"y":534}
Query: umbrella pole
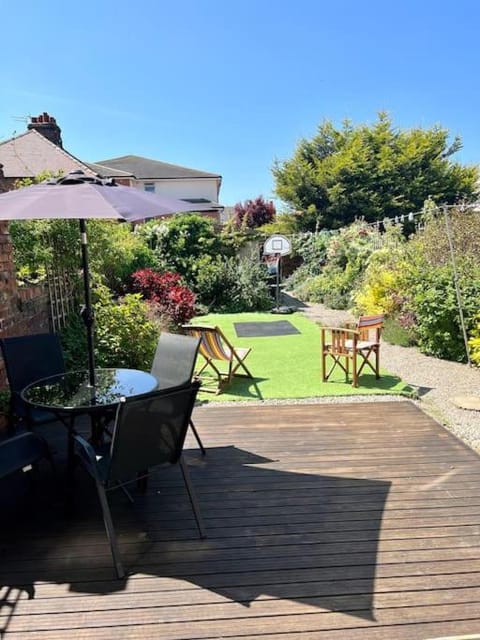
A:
{"x":87,"y":311}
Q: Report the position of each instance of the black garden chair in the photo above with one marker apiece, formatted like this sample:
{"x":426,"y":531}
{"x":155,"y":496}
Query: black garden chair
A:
{"x":174,"y":363}
{"x":27,"y":359}
{"x":149,"y":431}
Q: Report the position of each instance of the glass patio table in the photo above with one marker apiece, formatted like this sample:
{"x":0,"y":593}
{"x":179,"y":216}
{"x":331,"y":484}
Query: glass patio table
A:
{"x":70,"y":394}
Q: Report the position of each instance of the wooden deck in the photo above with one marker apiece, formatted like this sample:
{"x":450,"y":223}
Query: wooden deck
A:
{"x":326,"y":522}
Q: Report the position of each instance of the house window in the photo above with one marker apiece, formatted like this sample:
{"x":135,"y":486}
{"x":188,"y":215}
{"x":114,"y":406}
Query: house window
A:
{"x":149,"y":186}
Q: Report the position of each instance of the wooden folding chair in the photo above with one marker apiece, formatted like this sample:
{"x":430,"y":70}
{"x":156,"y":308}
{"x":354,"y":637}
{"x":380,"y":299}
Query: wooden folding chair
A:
{"x":216,"y":349}
{"x":356,"y":345}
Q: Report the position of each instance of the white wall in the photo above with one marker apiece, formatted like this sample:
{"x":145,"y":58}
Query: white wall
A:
{"x":185,"y":188}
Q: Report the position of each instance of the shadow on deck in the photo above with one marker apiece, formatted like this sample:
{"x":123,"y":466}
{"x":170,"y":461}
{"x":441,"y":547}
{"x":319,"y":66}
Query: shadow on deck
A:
{"x":353,"y":521}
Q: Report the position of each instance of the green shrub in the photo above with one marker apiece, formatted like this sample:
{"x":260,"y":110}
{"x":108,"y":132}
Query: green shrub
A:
{"x":43,"y":244}
{"x":435,"y":306}
{"x":394,"y":333}
{"x":312,"y":249}
{"x":334,"y":263}
{"x":332,"y":289}
{"x":229,"y":285}
{"x":74,"y":343}
{"x":125,"y":334}
{"x":116,"y":252}
{"x":180,"y":242}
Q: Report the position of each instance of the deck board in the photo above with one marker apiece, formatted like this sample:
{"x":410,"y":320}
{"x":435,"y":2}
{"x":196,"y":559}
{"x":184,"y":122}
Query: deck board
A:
{"x":352,"y":521}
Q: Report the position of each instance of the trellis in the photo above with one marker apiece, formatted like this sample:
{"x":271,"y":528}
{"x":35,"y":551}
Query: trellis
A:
{"x":62,"y":299}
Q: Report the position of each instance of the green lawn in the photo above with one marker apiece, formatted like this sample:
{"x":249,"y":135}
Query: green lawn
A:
{"x":289,"y":366}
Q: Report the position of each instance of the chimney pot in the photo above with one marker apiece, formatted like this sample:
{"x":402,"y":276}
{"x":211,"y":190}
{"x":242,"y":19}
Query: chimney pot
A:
{"x":48,"y":127}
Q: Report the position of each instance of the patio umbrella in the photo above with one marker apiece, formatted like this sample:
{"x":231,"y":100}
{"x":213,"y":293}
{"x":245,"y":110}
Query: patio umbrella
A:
{"x":80,"y":196}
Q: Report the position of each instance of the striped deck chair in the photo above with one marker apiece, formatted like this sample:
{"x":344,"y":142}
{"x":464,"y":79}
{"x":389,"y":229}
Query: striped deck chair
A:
{"x":215,"y":349}
{"x":356,"y":345}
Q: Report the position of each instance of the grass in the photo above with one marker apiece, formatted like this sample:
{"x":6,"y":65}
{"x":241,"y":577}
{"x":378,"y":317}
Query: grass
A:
{"x":288,"y":367}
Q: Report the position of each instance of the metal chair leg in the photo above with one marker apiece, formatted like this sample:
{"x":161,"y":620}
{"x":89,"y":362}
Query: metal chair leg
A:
{"x":111,"y":535}
{"x":193,"y":500}
{"x":195,"y":433}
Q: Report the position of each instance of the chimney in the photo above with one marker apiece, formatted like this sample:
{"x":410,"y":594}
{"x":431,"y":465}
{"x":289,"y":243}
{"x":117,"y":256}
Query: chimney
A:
{"x":48,"y":127}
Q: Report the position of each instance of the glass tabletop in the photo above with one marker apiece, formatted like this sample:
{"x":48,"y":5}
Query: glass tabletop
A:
{"x":72,"y":392}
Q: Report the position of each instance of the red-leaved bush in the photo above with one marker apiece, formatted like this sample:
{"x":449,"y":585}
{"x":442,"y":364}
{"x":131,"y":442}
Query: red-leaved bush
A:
{"x":254,"y":213}
{"x":166,"y":293}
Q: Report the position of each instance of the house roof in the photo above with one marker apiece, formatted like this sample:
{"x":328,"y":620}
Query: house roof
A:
{"x":108,"y":172}
{"x":30,"y":154}
{"x":147,"y":169}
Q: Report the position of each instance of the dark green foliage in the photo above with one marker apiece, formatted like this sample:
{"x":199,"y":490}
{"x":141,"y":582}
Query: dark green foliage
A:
{"x":435,"y":305}
{"x":431,"y":297}
{"x":229,"y":285}
{"x":116,"y":252}
{"x":332,"y":289}
{"x":312,"y":249}
{"x":179,"y":243}
{"x":340,"y":260}
{"x":371,"y":172}
{"x":125,"y":334}
{"x":74,"y":343}
{"x":41,"y":245}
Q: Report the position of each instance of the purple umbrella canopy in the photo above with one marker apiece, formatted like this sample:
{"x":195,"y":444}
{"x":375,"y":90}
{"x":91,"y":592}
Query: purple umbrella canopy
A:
{"x":79,"y":196}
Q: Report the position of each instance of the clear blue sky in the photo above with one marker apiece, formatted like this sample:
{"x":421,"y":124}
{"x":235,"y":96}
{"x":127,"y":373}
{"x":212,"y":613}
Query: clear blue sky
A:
{"x":229,"y":87}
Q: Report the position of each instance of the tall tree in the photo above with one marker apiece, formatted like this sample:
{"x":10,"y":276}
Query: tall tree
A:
{"x":371,"y":172}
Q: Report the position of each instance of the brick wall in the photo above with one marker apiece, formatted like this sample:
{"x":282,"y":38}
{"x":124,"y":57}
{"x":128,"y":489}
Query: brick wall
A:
{"x":23,"y":310}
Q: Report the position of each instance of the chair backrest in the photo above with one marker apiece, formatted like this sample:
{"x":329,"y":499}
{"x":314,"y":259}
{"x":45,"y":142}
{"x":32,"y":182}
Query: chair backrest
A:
{"x":150,"y":430}
{"x":174,"y":359}
{"x":29,"y":358}
{"x":213,"y":344}
{"x":366,"y":324}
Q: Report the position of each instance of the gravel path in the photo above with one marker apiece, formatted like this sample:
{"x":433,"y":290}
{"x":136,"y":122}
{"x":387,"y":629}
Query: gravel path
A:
{"x":437,"y":382}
